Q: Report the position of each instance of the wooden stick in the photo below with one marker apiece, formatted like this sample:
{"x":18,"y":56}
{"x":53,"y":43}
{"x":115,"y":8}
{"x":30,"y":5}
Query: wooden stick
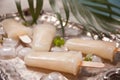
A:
{"x":25,"y":39}
{"x":93,"y":64}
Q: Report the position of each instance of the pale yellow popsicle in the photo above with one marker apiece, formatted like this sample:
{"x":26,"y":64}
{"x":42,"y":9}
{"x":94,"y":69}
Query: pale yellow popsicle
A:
{"x":15,"y":29}
{"x":59,"y":61}
{"x":103,"y":49}
{"x":43,"y":35}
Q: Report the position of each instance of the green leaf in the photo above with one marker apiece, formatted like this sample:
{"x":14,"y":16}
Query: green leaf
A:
{"x":110,"y":28}
{"x":39,"y":5}
{"x":53,"y":4}
{"x":106,"y":18}
{"x":35,"y":12}
{"x":74,"y":10}
{"x":107,"y":8}
{"x":18,"y":5}
{"x":88,"y":57}
{"x":100,"y":2}
{"x":91,"y":22}
{"x":31,"y":7}
{"x":66,"y":9}
{"x":55,"y":8}
{"x":81,"y":14}
{"x":61,"y":23}
{"x":87,"y":16}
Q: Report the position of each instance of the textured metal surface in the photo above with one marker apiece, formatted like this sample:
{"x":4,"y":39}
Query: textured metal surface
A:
{"x":85,"y":73}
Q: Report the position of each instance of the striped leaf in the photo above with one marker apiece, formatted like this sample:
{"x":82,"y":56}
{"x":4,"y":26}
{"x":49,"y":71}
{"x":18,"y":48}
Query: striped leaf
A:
{"x":56,"y":10}
{"x":19,"y":8}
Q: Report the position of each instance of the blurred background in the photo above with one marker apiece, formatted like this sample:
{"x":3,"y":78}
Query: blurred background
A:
{"x":8,"y":6}
{"x":106,"y":13}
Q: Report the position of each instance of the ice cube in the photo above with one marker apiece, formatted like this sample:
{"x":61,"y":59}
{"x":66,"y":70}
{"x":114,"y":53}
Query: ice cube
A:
{"x":72,"y":31}
{"x":96,"y":59}
{"x":54,"y":76}
{"x":23,"y":51}
{"x":8,"y":42}
{"x":2,"y":30}
{"x":7,"y":52}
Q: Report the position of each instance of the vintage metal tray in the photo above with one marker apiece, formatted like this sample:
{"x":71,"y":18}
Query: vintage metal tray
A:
{"x":15,"y":69}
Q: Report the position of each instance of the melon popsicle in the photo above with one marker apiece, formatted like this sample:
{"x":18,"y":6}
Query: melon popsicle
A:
{"x":43,"y":35}
{"x":15,"y":29}
{"x":59,"y":61}
{"x":103,"y":49}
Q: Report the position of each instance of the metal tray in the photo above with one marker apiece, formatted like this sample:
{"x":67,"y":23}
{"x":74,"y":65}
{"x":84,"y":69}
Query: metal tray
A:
{"x":16,"y":67}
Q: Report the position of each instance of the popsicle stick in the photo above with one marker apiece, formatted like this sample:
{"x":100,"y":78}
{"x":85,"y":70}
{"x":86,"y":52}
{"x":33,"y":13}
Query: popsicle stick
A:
{"x":25,"y":39}
{"x":93,"y":64}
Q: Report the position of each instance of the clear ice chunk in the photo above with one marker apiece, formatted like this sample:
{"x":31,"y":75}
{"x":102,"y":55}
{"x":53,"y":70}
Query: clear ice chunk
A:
{"x":96,"y":59}
{"x":54,"y":76}
{"x":7,"y":52}
{"x":23,"y":51}
{"x":8,"y":42}
{"x":72,"y":31}
{"x":2,"y":30}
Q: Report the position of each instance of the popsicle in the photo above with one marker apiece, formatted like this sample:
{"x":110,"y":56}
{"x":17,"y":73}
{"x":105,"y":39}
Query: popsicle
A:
{"x":58,"y":61}
{"x":15,"y":29}
{"x":103,"y":49}
{"x":64,"y":62}
{"x":43,"y":35}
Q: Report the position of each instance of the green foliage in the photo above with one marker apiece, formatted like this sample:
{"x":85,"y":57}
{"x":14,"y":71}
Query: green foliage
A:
{"x":18,"y":5}
{"x":105,"y":9}
{"x":91,"y":22}
{"x":88,"y":57}
{"x":96,"y":16}
{"x":55,"y":8}
{"x":35,"y":12}
{"x":58,"y":41}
